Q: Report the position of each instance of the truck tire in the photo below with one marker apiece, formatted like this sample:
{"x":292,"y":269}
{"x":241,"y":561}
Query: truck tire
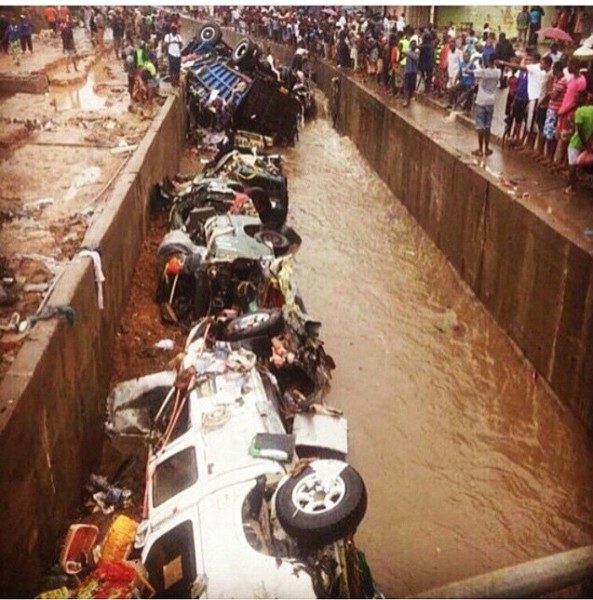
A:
{"x":315,"y":517}
{"x":244,"y":52}
{"x":210,"y":33}
{"x":277,"y":241}
{"x":254,"y":324}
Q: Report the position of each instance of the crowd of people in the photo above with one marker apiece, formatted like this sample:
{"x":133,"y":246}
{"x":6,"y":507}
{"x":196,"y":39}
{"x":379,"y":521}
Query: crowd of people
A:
{"x":549,"y":95}
{"x":16,"y":36}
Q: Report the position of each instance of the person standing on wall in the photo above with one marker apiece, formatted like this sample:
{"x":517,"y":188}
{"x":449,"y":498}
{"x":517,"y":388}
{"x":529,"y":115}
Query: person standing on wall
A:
{"x":118,"y":27}
{"x":51,"y":16}
{"x":487,"y":78}
{"x":68,"y":46}
{"x":173,"y":44}
{"x":535,"y":22}
{"x":522,"y":25}
{"x":99,"y":29}
{"x":26,"y":34}
{"x":411,"y":72}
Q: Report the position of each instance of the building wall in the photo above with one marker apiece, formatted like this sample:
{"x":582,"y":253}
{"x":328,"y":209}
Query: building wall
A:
{"x":500,"y":18}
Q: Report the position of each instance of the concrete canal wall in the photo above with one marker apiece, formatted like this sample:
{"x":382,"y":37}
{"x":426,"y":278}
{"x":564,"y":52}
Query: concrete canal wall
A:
{"x":535,"y":281}
{"x":52,"y":398}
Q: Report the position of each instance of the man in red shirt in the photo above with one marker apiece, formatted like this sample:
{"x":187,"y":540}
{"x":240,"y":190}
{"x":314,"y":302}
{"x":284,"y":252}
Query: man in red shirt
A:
{"x":51,"y":15}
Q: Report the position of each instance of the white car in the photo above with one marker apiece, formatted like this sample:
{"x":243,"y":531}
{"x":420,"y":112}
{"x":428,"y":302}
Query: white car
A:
{"x":231,"y":509}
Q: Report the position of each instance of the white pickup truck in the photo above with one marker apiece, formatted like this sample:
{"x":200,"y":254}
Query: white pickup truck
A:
{"x":231,"y":511}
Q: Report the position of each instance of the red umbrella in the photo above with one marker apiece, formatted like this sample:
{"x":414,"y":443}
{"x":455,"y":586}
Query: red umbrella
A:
{"x":554,"y":33}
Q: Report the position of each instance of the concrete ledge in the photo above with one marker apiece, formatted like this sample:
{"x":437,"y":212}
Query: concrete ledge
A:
{"x":52,"y":398}
{"x":30,"y":83}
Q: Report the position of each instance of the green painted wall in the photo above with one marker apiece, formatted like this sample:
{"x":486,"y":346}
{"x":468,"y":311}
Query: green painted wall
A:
{"x":501,"y":18}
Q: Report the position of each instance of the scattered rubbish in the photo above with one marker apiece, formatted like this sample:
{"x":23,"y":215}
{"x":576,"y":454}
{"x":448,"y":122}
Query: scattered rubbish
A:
{"x":123,"y":149}
{"x":48,"y":312}
{"x":276,"y":446}
{"x":99,"y":276}
{"x":106,"y":496}
{"x":87,"y":177}
{"x":119,"y":539}
{"x":165,"y":344}
{"x":78,"y":545}
{"x":112,"y":579}
{"x":61,"y":592}
{"x":37,"y":204}
{"x":36,"y":287}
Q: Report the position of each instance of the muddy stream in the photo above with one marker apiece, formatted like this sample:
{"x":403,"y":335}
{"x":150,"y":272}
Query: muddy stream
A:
{"x":471,"y":463}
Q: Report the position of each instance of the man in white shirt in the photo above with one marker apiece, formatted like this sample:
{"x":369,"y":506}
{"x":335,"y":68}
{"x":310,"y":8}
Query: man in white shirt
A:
{"x":487,"y":79}
{"x":537,"y":73}
{"x":236,"y":18}
{"x":554,"y":53}
{"x":173,"y":44}
{"x":400,"y":24}
{"x":453,"y":59}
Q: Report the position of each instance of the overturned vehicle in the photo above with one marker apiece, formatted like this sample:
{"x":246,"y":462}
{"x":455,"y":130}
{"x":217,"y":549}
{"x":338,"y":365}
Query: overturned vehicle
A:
{"x":241,"y":501}
{"x":238,"y":88}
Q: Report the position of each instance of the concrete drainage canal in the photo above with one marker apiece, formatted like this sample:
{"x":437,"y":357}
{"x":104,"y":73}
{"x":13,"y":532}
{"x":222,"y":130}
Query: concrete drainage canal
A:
{"x":457,"y":459}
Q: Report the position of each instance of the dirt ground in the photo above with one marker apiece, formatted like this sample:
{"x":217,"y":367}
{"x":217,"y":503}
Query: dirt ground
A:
{"x":141,"y":326}
{"x":59,"y":154}
{"x":47,"y":54}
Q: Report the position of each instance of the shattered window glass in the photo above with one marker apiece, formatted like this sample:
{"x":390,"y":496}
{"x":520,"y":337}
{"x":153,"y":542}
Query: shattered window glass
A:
{"x":174,"y":475}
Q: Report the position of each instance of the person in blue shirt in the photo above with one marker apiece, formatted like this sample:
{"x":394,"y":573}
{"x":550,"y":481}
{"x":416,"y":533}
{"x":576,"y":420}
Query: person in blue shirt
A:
{"x":411,"y":71}
{"x":520,"y":103}
{"x":535,"y":22}
{"x":14,"y":41}
{"x":26,"y":34}
{"x":489,"y":48}
{"x":464,"y":91}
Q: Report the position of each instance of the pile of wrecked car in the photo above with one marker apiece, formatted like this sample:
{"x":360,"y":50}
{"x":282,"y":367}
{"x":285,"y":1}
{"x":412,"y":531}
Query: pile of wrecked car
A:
{"x":238,"y":88}
{"x":247,"y":488}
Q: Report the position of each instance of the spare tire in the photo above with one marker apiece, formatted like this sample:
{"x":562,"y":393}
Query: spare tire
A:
{"x":315,"y":516}
{"x":277,"y":241}
{"x":244,"y":52}
{"x":210,"y":33}
{"x":258,"y":323}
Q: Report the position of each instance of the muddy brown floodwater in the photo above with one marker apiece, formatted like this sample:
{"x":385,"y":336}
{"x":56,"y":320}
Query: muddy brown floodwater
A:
{"x":471,"y":463}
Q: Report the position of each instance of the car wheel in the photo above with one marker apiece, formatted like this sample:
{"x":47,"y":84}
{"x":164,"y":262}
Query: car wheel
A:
{"x":278,"y":242}
{"x":254,"y":324}
{"x":210,"y":34}
{"x":323,"y":503}
{"x":243,"y":52}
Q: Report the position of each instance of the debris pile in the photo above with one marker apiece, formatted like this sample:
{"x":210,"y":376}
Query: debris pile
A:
{"x":241,"y":89}
{"x":237,"y":441}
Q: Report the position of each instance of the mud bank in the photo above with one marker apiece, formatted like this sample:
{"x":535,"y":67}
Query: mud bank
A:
{"x":52,"y":398}
{"x":531,"y":272}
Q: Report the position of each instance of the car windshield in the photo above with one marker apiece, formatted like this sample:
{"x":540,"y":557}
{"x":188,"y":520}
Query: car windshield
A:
{"x":174,"y":475}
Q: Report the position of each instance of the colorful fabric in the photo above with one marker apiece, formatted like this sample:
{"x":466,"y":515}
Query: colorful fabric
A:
{"x":550,"y":124}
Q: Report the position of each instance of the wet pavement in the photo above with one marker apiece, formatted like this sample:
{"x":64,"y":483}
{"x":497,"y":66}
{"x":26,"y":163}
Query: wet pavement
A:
{"x":471,"y":463}
{"x":93,"y":93}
